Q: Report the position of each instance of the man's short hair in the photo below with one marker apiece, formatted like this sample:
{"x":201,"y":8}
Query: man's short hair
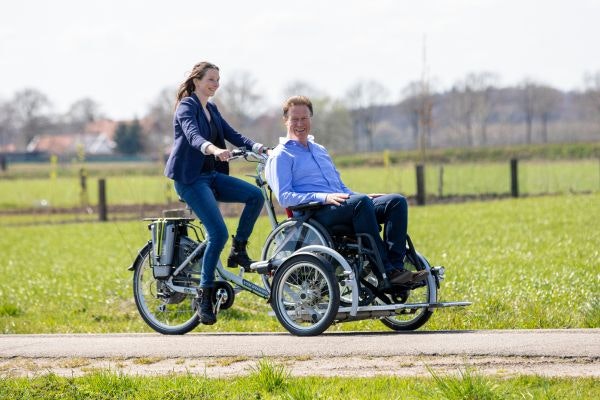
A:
{"x":297,"y":101}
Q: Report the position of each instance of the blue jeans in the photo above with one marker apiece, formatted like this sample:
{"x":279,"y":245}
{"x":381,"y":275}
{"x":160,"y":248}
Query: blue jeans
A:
{"x":366,"y":214}
{"x":202,"y":197}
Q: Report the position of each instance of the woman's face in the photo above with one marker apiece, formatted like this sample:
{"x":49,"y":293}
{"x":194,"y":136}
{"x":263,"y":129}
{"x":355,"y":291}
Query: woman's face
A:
{"x":208,"y":85}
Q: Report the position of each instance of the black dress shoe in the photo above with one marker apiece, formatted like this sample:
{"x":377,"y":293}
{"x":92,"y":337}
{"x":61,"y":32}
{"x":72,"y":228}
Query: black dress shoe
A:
{"x":419,"y":276}
{"x":400,"y":276}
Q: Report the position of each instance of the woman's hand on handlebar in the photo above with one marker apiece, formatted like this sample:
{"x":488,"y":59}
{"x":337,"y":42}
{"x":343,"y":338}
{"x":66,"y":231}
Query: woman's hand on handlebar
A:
{"x":221,"y":154}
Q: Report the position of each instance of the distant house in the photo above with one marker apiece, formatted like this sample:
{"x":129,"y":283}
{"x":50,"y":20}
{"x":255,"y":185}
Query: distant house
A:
{"x":107,"y":127}
{"x":8,"y":148}
{"x":96,"y":139}
{"x":70,"y":143}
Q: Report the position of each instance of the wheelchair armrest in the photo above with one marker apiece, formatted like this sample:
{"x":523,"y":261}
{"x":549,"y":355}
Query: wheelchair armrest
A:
{"x":313,"y":205}
{"x":306,"y":206}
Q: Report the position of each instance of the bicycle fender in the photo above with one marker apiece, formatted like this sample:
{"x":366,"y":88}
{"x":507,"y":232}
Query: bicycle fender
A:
{"x":139,"y":256}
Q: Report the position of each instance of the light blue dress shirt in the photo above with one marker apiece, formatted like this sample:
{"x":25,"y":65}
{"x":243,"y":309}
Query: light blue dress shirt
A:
{"x":301,"y":174}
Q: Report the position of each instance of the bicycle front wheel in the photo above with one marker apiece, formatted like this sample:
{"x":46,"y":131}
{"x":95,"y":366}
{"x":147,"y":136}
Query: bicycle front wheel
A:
{"x":164,"y":310}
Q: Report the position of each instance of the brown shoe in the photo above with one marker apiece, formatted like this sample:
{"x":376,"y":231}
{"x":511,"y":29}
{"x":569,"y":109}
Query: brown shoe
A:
{"x":419,"y":276}
{"x":400,"y":276}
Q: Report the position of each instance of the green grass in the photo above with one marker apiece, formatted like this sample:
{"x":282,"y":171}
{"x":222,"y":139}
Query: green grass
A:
{"x":535,"y":177}
{"x":272,"y":381}
{"x":525,"y":263}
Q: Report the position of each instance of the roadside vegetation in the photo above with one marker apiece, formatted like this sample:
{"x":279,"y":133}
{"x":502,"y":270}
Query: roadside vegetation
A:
{"x":272,"y":381}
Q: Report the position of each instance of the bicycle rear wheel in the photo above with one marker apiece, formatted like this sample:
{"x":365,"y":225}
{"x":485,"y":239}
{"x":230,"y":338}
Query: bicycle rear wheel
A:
{"x":164,"y":310}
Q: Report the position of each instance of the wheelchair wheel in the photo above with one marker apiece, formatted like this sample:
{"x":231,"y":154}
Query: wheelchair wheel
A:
{"x":289,"y":237}
{"x":421,"y":292}
{"x":165,"y":311}
{"x":305,"y":295}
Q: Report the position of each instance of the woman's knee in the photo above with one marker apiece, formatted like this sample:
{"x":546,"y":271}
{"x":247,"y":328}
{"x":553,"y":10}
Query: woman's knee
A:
{"x":219,"y":240}
{"x":256,"y":197}
{"x":218,"y":236}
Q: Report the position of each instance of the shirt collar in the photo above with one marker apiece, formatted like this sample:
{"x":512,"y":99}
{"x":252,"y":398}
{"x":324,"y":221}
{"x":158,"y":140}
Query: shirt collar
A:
{"x":284,"y":140}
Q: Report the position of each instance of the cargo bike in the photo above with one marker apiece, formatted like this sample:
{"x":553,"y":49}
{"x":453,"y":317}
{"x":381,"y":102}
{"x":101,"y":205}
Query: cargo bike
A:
{"x":311,"y":275}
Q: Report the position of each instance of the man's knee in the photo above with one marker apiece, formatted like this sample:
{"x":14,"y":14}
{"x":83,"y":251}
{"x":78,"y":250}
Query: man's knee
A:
{"x":363,"y":202}
{"x":399,"y":201}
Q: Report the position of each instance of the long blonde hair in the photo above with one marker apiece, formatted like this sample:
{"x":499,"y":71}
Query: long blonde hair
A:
{"x":187,"y":87}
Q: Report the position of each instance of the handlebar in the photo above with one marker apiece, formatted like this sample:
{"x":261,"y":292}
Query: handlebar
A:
{"x":248,"y":155}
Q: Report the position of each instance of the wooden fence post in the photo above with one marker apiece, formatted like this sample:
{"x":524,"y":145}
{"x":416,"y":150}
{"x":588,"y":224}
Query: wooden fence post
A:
{"x":441,"y":182}
{"x":514,"y":177}
{"x":420,"y":170}
{"x":102,"y":200}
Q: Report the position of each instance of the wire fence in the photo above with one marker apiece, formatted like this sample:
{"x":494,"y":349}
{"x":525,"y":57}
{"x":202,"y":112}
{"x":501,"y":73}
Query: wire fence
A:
{"x":133,"y":196}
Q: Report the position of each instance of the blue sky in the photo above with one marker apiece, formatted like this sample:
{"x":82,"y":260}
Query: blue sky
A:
{"x":122,"y":53}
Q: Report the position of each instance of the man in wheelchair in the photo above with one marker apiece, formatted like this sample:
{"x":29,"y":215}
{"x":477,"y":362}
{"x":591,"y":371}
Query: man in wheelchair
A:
{"x":300,"y":171}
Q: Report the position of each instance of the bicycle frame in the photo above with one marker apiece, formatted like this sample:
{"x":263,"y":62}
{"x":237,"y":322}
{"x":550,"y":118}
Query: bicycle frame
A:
{"x":226,"y":275}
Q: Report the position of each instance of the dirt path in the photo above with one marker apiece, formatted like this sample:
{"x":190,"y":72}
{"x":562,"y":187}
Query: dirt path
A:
{"x":505,"y":353}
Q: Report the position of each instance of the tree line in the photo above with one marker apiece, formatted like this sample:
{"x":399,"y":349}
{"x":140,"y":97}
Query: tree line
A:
{"x":475,"y":111}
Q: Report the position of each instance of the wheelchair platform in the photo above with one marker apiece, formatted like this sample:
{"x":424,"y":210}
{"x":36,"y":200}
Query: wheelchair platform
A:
{"x":388,"y":310}
{"x":380,"y":311}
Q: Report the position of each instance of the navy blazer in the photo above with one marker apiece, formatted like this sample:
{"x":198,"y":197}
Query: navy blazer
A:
{"x":192,"y":130}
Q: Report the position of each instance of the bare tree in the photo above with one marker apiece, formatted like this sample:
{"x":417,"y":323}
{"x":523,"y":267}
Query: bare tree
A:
{"x":300,"y":88}
{"x":471,"y":104}
{"x":32,"y":109}
{"x":462,"y":101}
{"x":240,"y":99}
{"x":83,"y":111}
{"x":332,"y":125}
{"x":363,"y":100}
{"x":410,"y":106}
{"x":547,"y":102}
{"x":528,"y":93}
{"x":592,"y":93}
{"x":7,"y":124}
{"x":159,"y":119}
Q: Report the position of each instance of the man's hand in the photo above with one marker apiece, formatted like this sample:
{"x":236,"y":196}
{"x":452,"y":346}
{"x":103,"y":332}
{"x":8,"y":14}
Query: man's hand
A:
{"x":375,"y":195}
{"x":336,"y":198}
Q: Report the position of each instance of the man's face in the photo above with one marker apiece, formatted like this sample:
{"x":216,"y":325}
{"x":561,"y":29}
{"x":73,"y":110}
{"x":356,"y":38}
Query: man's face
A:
{"x":298,"y":123}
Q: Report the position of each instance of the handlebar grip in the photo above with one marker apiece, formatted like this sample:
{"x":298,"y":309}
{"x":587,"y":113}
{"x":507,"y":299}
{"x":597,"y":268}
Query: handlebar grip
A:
{"x":238,"y":152}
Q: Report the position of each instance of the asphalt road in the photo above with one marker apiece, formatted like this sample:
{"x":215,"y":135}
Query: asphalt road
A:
{"x":574,"y":352}
{"x":538,"y":343}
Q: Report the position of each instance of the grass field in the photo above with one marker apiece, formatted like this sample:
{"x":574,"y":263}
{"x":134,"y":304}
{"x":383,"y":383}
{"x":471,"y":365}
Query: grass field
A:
{"x":535,"y":177}
{"x":271,"y":381}
{"x":525,"y":263}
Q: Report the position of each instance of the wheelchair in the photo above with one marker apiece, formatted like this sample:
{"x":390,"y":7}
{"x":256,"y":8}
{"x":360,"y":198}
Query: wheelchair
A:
{"x":330,"y":275}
